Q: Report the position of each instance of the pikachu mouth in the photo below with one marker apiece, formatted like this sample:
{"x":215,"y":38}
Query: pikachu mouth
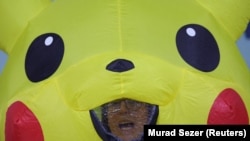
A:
{"x":125,"y":125}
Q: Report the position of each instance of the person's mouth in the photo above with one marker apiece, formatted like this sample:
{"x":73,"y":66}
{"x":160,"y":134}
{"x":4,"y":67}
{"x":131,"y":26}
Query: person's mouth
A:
{"x":126,"y":125}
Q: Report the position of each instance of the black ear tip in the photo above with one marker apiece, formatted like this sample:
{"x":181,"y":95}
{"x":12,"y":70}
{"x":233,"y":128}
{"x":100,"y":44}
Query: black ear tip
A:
{"x":248,"y":31}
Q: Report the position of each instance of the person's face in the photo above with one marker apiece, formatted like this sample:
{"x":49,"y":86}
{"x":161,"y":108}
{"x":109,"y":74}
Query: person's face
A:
{"x":126,"y":119}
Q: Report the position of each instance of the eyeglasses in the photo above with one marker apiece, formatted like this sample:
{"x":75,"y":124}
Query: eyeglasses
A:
{"x":131,"y":105}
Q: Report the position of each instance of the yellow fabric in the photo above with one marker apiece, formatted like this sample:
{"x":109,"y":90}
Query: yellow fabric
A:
{"x":95,"y":32}
{"x":234,"y":18}
{"x":16,"y":15}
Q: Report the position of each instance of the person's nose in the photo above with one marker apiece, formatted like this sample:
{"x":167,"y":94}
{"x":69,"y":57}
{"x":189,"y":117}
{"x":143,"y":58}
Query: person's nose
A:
{"x":123,"y":107}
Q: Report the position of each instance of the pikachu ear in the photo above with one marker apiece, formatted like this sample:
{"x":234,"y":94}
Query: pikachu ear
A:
{"x":14,"y":17}
{"x":232,"y":14}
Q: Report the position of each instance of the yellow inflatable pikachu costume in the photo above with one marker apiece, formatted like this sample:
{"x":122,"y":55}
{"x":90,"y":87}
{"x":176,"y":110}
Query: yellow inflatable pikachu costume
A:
{"x":66,"y":58}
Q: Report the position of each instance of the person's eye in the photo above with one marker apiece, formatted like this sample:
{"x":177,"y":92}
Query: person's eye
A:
{"x":132,"y":103}
{"x":114,"y":104}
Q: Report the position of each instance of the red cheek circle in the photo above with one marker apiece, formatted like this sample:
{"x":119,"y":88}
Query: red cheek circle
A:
{"x":228,"y":108}
{"x":21,"y":124}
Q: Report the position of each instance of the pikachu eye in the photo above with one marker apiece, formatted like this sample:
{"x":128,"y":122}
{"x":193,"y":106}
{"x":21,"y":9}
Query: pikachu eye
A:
{"x":197,"y":47}
{"x":44,"y":56}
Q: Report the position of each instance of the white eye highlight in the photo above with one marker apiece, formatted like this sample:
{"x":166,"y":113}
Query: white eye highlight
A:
{"x":191,"y":32}
{"x":48,"y":41}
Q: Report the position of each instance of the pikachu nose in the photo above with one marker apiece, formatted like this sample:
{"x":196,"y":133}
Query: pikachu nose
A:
{"x":120,"y":65}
